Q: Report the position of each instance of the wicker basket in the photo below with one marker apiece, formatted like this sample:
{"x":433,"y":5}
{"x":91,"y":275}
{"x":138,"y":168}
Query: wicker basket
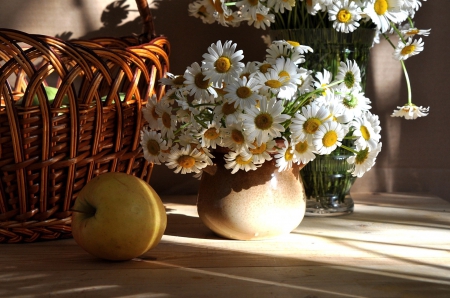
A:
{"x":51,"y":144}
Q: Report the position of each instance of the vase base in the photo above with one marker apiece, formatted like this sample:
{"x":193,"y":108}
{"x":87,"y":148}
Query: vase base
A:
{"x":329,"y":206}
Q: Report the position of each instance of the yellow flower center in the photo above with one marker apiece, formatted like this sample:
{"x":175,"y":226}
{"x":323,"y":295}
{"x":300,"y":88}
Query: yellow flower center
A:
{"x":293,"y":43}
{"x":202,"y":10}
{"x":186,"y":161}
{"x":237,"y":136}
{"x":413,"y":31}
{"x":365,"y":132}
{"x":228,"y":108}
{"x":381,"y":7}
{"x":311,"y":125}
{"x":223,"y":64}
{"x":344,"y":16}
{"x":264,"y":121}
{"x":284,"y":74}
{"x":329,"y":139}
{"x":361,"y":156}
{"x":154,"y":114}
{"x":301,"y":147}
{"x":243,"y":92}
{"x":166,"y":120}
{"x":253,"y":2}
{"x":408,"y":50}
{"x":178,"y":80}
{"x":260,"y":17}
{"x":240,"y":160}
{"x":258,"y":149}
{"x":217,"y":5}
{"x":153,"y":147}
{"x":211,"y":133}
{"x":273,"y":84}
{"x":200,"y":81}
{"x":309,"y":2}
{"x":264,"y":67}
{"x":288,"y":155}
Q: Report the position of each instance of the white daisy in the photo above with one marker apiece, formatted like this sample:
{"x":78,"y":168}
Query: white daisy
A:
{"x":305,"y":124}
{"x":281,"y":5}
{"x":411,"y":32}
{"x":350,"y":73}
{"x":149,"y":113}
{"x":405,"y":50}
{"x":271,"y":82}
{"x":264,"y":123}
{"x":355,"y":103}
{"x":202,"y":9}
{"x":235,"y":139}
{"x":211,"y":136}
{"x":167,"y":121}
{"x":173,"y":81}
{"x":364,"y":133}
{"x":345,"y":15}
{"x":287,"y":69}
{"x":328,"y":137}
{"x":242,"y":92}
{"x":382,"y":12}
{"x":261,"y":153}
{"x":304,"y":151}
{"x":285,"y":157}
{"x":262,"y":19}
{"x":410,"y":111}
{"x":196,"y":82}
{"x":228,"y":112}
{"x":363,"y":160}
{"x":222,"y":63}
{"x":248,"y":7}
{"x":283,"y":49}
{"x":323,"y":80}
{"x":186,"y":160}
{"x":153,"y":146}
{"x":239,"y":161}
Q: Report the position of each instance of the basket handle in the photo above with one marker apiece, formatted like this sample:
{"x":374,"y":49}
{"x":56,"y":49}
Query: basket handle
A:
{"x":148,"y":32}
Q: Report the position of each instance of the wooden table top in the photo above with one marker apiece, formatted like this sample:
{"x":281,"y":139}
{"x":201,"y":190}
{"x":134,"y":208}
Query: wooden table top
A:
{"x":393,"y":245}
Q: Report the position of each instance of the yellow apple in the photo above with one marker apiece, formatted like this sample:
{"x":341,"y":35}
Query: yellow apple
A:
{"x":118,"y":216}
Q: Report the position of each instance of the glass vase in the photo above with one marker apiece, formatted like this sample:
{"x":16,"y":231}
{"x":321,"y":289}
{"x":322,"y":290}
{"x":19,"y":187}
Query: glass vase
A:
{"x":326,"y":180}
{"x":327,"y":185}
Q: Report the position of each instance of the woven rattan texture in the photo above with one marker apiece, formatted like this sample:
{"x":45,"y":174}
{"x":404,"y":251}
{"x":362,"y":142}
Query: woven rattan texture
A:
{"x":52,"y":145}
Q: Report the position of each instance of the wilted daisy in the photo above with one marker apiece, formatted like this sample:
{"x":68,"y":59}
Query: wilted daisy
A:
{"x":153,"y":146}
{"x":285,"y":157}
{"x":410,"y":111}
{"x":408,"y":49}
{"x":363,"y":160}
{"x":345,"y":15}
{"x":196,"y":82}
{"x":264,"y":123}
{"x":242,"y":92}
{"x":328,"y":137}
{"x":186,"y":160}
{"x":304,"y":151}
{"x":305,"y":124}
{"x":222,"y":62}
{"x":149,"y":113}
{"x":239,"y":161}
{"x":350,"y":74}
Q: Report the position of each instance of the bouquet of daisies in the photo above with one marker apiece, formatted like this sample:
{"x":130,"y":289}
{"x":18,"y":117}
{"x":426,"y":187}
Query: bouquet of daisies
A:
{"x":259,"y":111}
{"x":387,"y":17}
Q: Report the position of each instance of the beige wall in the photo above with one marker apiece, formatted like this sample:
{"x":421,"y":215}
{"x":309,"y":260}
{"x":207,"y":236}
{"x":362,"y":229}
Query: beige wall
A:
{"x":415,"y":154}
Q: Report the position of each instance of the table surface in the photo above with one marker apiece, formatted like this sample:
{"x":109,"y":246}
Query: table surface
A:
{"x":393,"y":245}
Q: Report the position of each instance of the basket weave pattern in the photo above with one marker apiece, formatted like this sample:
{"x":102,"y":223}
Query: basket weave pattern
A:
{"x":51,"y":147}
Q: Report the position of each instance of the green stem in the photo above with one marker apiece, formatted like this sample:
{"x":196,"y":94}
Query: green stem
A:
{"x":408,"y":84}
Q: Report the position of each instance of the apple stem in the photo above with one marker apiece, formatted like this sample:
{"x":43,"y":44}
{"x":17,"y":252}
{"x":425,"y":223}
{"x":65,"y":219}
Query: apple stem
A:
{"x":74,"y":210}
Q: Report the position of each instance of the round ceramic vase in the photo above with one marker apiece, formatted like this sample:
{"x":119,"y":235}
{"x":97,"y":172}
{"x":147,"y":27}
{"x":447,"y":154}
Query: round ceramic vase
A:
{"x":251,"y":205}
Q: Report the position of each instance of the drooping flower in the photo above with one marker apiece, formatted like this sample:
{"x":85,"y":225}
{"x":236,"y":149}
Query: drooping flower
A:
{"x":408,"y":49}
{"x":410,"y":111}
